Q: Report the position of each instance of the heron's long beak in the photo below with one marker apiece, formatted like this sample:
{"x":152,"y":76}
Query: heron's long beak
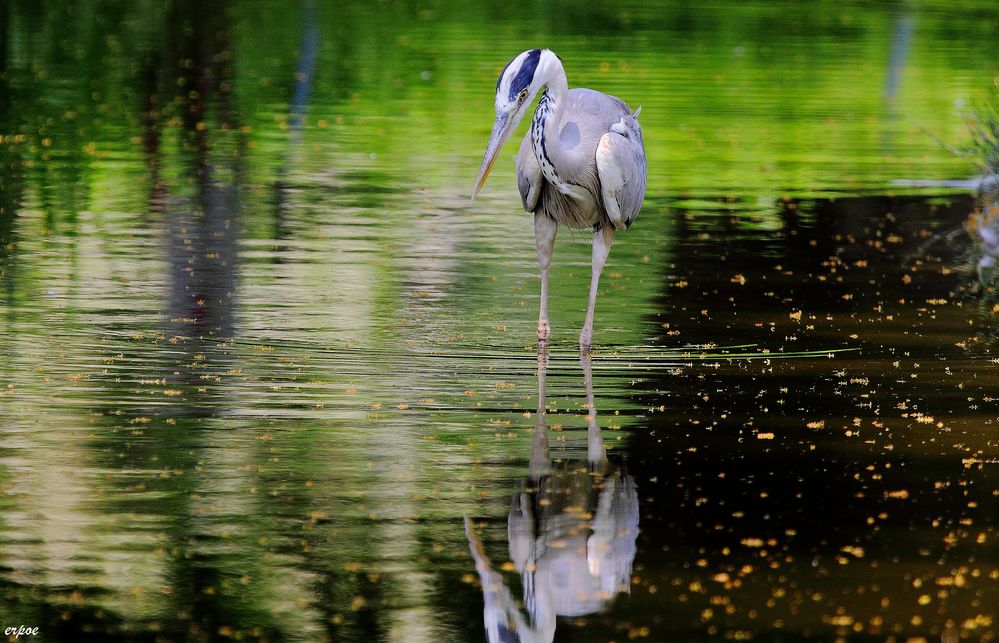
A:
{"x":502,"y":129}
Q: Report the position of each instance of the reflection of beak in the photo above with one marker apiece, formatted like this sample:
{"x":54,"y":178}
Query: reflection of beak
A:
{"x":502,"y":129}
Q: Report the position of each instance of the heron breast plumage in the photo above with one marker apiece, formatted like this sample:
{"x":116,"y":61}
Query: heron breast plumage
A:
{"x":563,"y":178}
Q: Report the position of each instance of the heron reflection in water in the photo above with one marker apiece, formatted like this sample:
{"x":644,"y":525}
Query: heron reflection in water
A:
{"x":572,"y":531}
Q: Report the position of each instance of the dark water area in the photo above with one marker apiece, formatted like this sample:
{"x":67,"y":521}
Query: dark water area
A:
{"x":267,"y":374}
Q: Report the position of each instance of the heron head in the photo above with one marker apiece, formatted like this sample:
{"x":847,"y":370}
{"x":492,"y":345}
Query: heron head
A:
{"x":521,"y":79}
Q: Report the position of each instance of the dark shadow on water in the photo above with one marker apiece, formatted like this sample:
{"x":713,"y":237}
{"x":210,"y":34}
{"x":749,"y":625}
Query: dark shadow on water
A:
{"x":790,"y":491}
{"x":834,"y":261}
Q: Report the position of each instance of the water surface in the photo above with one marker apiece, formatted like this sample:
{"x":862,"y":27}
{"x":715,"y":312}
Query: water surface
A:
{"x":260,"y":358}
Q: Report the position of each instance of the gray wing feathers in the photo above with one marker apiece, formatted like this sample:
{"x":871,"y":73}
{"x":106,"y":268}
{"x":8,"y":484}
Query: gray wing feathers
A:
{"x":529,"y":179}
{"x":621,"y":166}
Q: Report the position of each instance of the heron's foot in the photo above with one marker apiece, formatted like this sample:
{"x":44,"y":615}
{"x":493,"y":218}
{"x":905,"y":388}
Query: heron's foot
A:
{"x":544,"y":331}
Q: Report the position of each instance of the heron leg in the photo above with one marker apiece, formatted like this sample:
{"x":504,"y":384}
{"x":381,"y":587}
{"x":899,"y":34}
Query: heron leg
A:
{"x":544,"y":239}
{"x":602,"y":240}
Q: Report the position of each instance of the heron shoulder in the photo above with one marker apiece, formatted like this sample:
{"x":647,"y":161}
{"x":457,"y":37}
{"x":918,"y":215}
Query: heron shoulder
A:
{"x":596,"y":113}
{"x":582,"y":99}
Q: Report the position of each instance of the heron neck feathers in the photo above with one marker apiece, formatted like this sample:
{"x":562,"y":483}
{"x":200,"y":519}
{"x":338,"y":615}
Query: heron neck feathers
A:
{"x":546,"y":128}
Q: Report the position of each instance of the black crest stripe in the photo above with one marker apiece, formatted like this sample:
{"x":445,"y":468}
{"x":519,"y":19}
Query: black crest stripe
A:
{"x":526,"y":73}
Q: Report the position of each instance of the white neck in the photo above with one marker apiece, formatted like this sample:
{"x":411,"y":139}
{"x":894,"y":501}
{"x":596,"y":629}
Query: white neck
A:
{"x":551,"y":77}
{"x":547,"y":123}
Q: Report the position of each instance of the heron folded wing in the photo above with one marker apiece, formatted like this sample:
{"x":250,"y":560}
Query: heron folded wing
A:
{"x":529,"y":179}
{"x":621,"y":166}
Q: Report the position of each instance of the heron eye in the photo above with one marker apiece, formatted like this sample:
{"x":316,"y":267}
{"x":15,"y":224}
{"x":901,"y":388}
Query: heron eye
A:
{"x":523,"y":94}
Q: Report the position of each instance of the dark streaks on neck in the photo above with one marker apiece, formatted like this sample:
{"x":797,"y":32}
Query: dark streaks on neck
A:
{"x":539,"y":139}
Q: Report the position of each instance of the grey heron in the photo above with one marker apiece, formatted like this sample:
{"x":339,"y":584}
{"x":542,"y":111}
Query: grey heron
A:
{"x":581,"y":163}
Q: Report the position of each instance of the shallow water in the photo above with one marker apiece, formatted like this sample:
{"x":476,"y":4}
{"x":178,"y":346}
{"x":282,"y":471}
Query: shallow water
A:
{"x":261,"y":359}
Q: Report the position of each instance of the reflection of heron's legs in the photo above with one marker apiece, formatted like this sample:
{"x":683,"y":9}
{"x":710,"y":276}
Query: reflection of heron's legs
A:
{"x":602,"y":240}
{"x":538,"y":465}
{"x":544,"y":240}
{"x":595,"y":452}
